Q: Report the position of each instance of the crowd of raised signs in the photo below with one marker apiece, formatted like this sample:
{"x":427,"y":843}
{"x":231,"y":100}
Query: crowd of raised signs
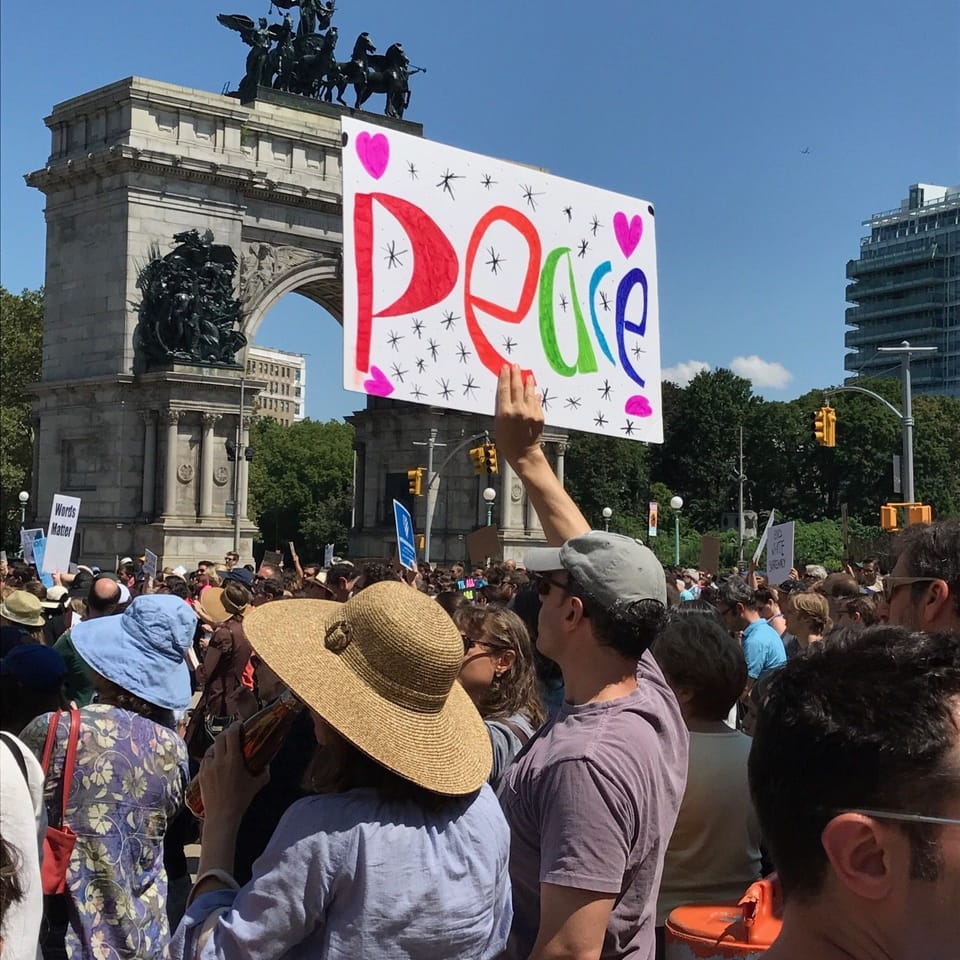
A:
{"x":537,"y":759}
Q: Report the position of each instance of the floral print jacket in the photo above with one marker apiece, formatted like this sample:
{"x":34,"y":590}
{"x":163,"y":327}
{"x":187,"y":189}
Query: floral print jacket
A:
{"x":128,"y":783}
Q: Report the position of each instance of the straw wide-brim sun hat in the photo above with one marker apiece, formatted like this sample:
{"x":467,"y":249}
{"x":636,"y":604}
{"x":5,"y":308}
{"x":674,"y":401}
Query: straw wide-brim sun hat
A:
{"x":382,"y":670}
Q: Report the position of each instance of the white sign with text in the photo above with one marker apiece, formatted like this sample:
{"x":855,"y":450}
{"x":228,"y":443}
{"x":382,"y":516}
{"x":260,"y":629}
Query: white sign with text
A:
{"x":64,"y":516}
{"x":779,"y":553}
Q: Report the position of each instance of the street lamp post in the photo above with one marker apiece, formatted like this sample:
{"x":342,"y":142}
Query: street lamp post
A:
{"x":24,"y":499}
{"x":489,"y":495}
{"x":676,"y":505}
{"x":606,"y":513}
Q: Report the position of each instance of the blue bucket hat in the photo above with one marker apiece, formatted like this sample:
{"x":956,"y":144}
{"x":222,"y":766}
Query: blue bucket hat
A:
{"x":142,"y":649}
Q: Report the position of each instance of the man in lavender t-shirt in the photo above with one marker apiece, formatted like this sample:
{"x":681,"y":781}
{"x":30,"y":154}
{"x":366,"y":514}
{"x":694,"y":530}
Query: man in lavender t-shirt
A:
{"x":593,"y":797}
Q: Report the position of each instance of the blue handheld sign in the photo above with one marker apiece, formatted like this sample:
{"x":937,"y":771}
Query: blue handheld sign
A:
{"x":406,"y":548}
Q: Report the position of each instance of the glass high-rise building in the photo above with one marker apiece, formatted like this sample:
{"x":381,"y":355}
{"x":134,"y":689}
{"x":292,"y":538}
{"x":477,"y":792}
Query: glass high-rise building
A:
{"x":906,"y":286}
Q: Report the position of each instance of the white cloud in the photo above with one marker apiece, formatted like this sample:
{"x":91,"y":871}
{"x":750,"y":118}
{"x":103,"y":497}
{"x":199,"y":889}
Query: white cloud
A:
{"x":760,"y":372}
{"x":683,"y":373}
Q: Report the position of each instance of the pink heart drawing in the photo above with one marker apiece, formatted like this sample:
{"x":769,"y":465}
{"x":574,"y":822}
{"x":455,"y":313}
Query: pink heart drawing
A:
{"x":374,"y":153}
{"x":628,"y":235}
{"x":378,"y":384}
{"x":639,"y":406}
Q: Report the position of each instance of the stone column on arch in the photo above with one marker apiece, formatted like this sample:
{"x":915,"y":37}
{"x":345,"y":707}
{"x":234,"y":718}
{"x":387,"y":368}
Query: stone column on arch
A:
{"x":149,"y":462}
{"x":172,"y":420}
{"x":561,"y":453}
{"x":207,"y":459}
{"x":243,"y":466}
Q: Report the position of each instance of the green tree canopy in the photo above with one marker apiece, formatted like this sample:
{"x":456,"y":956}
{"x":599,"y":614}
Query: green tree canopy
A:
{"x":21,"y":355}
{"x":300,"y":483}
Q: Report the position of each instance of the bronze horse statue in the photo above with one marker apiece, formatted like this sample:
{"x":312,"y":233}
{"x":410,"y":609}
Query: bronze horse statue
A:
{"x":370,"y":73}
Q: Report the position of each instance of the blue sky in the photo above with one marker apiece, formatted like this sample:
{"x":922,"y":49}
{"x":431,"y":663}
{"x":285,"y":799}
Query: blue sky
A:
{"x":702,"y":107}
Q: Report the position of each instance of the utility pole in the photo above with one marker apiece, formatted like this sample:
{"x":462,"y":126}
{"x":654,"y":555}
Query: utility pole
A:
{"x":740,"y":478}
{"x":906,"y":418}
{"x":236,"y":472}
{"x":430,"y":444}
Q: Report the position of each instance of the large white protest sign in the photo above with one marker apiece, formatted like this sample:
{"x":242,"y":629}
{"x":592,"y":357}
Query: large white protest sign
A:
{"x":779,"y":553}
{"x":455,"y":264}
{"x":60,"y":532}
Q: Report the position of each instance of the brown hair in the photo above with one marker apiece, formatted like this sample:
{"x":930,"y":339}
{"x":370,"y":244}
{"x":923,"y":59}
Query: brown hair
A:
{"x":110,"y":693}
{"x":518,"y":690}
{"x":236,"y":596}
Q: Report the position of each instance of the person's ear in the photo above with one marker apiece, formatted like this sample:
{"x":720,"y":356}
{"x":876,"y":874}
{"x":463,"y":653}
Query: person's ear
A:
{"x":865,"y":855}
{"x":505,"y":660}
{"x":575,"y":614}
{"x":936,"y":601}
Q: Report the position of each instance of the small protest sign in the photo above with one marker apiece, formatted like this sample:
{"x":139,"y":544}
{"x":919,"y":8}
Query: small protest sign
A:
{"x":328,"y":555}
{"x":779,"y":553}
{"x":406,"y":546}
{"x":652,"y":516}
{"x":483,"y":544}
{"x":151,"y":563}
{"x":39,"y":549}
{"x":64,"y":516}
{"x":27,"y":538}
{"x":763,"y":537}
{"x":710,"y":554}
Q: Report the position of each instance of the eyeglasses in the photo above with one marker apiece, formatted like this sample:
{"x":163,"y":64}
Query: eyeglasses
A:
{"x":892,"y":584}
{"x":544,"y":582}
{"x":906,"y":817}
{"x":469,"y":643}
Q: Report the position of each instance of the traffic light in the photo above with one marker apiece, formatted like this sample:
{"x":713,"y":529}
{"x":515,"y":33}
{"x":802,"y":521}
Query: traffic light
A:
{"x":415,"y":481}
{"x":478,"y":457}
{"x":919,"y":513}
{"x":825,"y":426}
{"x":888,"y":518}
{"x":490,"y":458}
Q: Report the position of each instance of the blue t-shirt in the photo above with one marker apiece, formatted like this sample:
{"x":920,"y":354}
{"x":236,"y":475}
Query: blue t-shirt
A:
{"x":350,"y":875}
{"x":762,"y":648}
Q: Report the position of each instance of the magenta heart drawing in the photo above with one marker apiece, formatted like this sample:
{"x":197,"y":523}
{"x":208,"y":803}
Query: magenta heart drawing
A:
{"x":374,"y":153}
{"x":638,"y":406}
{"x":378,"y":384}
{"x":628,"y":234}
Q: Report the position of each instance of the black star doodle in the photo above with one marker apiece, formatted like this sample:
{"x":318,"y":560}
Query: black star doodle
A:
{"x":433,"y":346}
{"x":605,"y":300}
{"x":582,"y":252}
{"x":398,"y":373}
{"x":418,"y":327}
{"x":529,"y":195}
{"x":563,"y":302}
{"x":628,"y":429}
{"x":463,"y":353}
{"x":637,"y":350}
{"x":412,"y":170}
{"x":595,"y":224}
{"x":605,"y":390}
{"x":421,"y":363}
{"x":573,"y":403}
{"x":545,"y":398}
{"x":469,"y":386}
{"x":487,"y":181}
{"x":394,"y":339}
{"x":495,"y":263}
{"x":509,"y":344}
{"x":448,"y":319}
{"x":445,"y":182}
{"x":600,"y":420}
{"x":393,"y":255}
{"x":417,"y":392}
{"x":568,"y":213}
{"x":445,"y":390}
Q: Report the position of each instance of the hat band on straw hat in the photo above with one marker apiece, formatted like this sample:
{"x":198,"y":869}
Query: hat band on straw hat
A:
{"x":337,"y":641}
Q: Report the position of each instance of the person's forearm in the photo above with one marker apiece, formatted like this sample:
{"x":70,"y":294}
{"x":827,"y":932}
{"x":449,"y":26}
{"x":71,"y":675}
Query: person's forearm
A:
{"x":217,"y":850}
{"x":559,"y":515}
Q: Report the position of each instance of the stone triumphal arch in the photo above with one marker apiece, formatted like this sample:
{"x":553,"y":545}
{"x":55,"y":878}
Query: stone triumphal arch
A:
{"x":132,"y":165}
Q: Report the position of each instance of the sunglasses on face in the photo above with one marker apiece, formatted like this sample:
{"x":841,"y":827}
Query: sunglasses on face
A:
{"x":892,"y":584}
{"x":544,"y":582}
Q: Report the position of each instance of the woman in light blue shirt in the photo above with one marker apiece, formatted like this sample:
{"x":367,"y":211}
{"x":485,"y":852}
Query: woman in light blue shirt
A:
{"x":402,"y":851}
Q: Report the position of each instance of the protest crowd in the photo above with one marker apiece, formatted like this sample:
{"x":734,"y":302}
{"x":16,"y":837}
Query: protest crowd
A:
{"x":523,"y":760}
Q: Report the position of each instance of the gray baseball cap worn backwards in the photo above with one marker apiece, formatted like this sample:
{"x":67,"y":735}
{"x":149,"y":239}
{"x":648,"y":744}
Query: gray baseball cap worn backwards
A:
{"x":611,"y":568}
